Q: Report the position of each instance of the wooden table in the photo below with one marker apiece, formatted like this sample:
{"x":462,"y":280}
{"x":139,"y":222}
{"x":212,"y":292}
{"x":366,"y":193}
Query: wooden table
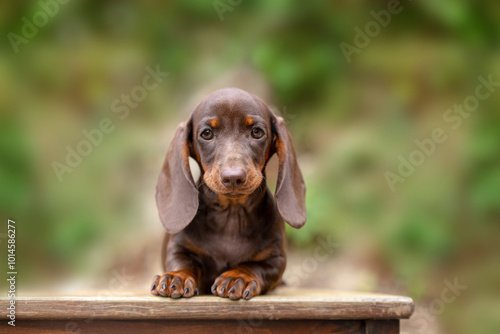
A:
{"x":285,"y":310}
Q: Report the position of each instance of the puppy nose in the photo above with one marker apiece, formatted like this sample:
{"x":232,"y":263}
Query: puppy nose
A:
{"x":233,"y":177}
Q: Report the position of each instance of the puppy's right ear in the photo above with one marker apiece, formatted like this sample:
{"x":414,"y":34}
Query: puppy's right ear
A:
{"x":176,"y":193}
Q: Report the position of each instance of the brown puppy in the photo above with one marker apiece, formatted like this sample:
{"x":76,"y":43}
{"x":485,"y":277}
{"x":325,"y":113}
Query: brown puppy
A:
{"x":226,"y":232}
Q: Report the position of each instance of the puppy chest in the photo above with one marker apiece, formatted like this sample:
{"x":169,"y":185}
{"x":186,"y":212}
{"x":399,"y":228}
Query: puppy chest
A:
{"x":231,"y":250}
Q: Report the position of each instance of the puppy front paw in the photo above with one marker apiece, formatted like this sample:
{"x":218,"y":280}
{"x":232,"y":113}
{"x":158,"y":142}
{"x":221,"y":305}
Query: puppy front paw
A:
{"x":236,"y":284}
{"x":174,"y":284}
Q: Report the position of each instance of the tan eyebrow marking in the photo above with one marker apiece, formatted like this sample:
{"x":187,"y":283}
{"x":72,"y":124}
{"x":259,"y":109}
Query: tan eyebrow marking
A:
{"x":213,"y":123}
{"x":249,"y":120}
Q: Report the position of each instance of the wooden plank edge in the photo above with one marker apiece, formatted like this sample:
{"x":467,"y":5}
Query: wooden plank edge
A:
{"x":125,"y":308}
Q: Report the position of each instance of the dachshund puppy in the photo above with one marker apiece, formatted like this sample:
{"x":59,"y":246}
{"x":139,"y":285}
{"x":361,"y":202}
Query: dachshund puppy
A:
{"x":225,"y":233}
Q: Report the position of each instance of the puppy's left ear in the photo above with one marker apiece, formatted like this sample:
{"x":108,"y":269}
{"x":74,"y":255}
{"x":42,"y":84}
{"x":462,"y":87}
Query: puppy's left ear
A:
{"x":290,"y":187}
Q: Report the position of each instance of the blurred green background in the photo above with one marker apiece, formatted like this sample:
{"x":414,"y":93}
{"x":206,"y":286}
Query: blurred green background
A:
{"x":351,"y":120}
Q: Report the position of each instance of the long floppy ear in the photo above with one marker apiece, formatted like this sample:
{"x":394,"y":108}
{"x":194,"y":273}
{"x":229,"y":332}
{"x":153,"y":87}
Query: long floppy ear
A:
{"x":176,"y":194}
{"x":290,"y":188}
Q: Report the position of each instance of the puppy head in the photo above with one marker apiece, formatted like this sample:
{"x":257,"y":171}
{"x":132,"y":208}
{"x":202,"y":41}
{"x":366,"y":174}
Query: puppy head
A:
{"x":231,"y":134}
{"x":232,"y":139}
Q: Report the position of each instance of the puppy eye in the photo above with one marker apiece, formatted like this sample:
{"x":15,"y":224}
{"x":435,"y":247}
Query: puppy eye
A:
{"x":207,"y":134}
{"x":257,"y":133}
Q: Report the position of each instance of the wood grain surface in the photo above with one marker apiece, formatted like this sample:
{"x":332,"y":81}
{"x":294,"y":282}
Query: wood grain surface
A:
{"x":283,"y":303}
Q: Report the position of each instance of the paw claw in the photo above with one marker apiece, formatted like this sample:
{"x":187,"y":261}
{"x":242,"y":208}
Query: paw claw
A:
{"x":174,"y":284}
{"x":236,"y":284}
